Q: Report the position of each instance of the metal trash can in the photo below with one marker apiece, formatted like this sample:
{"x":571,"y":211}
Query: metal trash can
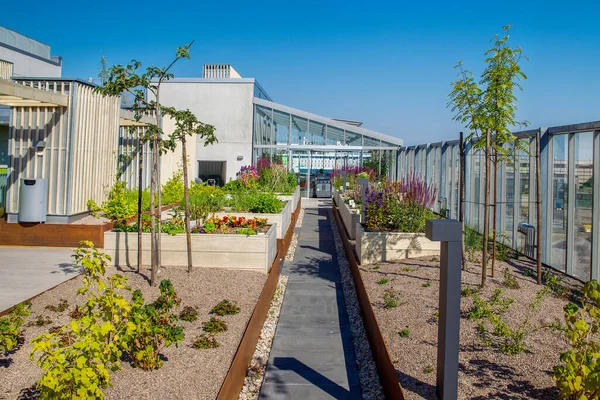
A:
{"x":323,"y":187}
{"x":33,"y":200}
{"x":530,"y":239}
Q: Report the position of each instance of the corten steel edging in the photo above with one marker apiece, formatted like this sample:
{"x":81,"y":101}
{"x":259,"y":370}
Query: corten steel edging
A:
{"x":385,"y":368}
{"x":57,"y":235}
{"x":234,"y":380}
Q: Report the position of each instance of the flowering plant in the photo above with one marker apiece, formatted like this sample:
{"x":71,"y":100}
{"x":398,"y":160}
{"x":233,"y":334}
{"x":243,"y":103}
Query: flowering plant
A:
{"x":248,"y":175}
{"x":226,"y":223}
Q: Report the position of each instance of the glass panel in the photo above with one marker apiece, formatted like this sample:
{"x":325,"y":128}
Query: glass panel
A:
{"x":299,"y":164}
{"x":299,"y":130}
{"x":317,"y":133}
{"x":584,"y":177}
{"x":559,"y":201}
{"x":353,"y":139}
{"x":282,"y":126}
{"x":509,"y":207}
{"x":369,"y":141}
{"x":335,"y":136}
{"x":263,"y":127}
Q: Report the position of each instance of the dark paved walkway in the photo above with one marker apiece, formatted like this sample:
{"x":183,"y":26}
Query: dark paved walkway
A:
{"x":312,"y":355}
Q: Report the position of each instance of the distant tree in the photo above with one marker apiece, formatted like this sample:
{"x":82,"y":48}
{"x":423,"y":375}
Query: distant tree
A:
{"x":488,"y":110}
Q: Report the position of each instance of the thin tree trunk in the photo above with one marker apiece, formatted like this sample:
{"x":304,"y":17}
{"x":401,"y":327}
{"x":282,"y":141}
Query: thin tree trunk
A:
{"x":153,"y":268}
{"x":140,"y":194}
{"x":461,"y":209}
{"x":538,"y":195}
{"x":486,"y":210}
{"x":187,"y":203}
{"x":495,"y":211}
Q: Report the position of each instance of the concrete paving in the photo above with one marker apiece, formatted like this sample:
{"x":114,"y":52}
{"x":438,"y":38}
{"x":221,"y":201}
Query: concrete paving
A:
{"x":27,"y":271}
{"x":312,"y":355}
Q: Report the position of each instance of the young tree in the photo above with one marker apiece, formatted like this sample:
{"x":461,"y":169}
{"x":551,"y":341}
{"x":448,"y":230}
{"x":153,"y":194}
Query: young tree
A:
{"x":488,"y":110}
{"x":186,"y":124}
{"x":145,"y":87}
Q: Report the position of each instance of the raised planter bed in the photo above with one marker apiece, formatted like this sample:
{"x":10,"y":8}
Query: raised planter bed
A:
{"x":281,"y":220}
{"x":230,"y":251}
{"x":374,"y":247}
{"x":294,"y":198}
{"x":349,"y":217}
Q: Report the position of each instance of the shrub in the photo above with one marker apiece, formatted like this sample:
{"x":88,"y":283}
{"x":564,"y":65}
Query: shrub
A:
{"x":205,"y":342}
{"x":579,"y":376}
{"x":188,"y":314}
{"x":266,"y":203}
{"x":155,"y":327}
{"x":205,"y":200}
{"x":248,"y":175}
{"x":215,"y":325}
{"x":172,"y":190}
{"x":93,"y":208}
{"x":10,"y":327}
{"x":122,"y":202}
{"x":225,"y":307}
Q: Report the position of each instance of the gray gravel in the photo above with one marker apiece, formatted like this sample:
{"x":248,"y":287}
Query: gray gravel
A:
{"x":367,"y":370}
{"x":187,"y":373}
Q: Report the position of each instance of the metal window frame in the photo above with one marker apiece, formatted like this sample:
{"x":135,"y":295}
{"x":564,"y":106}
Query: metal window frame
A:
{"x":595,"y":269}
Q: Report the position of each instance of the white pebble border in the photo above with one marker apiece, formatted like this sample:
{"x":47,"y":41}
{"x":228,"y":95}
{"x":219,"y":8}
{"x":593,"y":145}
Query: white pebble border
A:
{"x":367,"y":370}
{"x":256,"y":371}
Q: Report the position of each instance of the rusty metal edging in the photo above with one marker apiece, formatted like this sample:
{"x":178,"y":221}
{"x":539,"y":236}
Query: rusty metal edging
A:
{"x":385,"y":368}
{"x":234,"y":380}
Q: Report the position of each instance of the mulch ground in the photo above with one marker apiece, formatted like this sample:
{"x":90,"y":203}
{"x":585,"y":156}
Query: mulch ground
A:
{"x":485,"y":372}
{"x":187,"y":373}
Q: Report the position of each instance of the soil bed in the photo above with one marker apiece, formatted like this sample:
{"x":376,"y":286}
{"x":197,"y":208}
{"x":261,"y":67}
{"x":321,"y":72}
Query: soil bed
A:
{"x":187,"y":372}
{"x":484,"y":372}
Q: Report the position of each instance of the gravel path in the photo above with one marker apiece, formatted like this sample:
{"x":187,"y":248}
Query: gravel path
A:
{"x":187,"y":373}
{"x":485,"y":373}
{"x":367,"y":370}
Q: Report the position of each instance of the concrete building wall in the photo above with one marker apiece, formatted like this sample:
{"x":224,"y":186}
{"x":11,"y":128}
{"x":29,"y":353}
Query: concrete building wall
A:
{"x":28,"y":65}
{"x":226,"y":104}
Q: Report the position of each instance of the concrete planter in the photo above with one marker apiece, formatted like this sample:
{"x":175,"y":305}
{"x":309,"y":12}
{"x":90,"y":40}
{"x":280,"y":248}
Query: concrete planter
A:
{"x":255,"y":252}
{"x":294,"y":198}
{"x":374,"y":247}
{"x":349,"y":218}
{"x":281,"y":220}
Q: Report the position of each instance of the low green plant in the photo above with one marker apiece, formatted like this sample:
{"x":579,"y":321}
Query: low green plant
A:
{"x":40,"y":321}
{"x":246,"y":231}
{"x":376,"y":267}
{"x":554,"y":283}
{"x":404,"y":333}
{"x":496,"y":305}
{"x":122,"y":202}
{"x":63,"y":304}
{"x":383,"y":281}
{"x":209,"y":227}
{"x":408,"y":269}
{"x":390,"y":299}
{"x":509,"y":281}
{"x":155,"y":327}
{"x":427,"y":284}
{"x":225,"y":307}
{"x":205,"y":342}
{"x":93,"y":208}
{"x":10,"y":326}
{"x":428,"y":370}
{"x":467,"y":291}
{"x":578,"y":376}
{"x":188,"y":314}
{"x":214,"y":325}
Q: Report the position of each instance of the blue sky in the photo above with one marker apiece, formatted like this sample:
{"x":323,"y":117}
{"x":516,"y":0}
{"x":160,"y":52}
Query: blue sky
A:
{"x":388,"y":64}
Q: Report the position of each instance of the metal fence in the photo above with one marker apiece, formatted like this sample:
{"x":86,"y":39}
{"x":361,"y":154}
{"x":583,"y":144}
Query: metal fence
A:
{"x":570,"y":160}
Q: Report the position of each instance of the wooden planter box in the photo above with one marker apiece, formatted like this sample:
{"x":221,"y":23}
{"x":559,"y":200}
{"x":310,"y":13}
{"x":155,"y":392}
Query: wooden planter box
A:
{"x":281,"y":220}
{"x":374,"y":247}
{"x":294,"y":198}
{"x":349,"y":218}
{"x":255,"y":252}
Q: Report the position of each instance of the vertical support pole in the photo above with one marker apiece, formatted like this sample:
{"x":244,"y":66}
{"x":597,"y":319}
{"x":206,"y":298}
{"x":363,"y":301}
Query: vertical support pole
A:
{"x":570,"y":206}
{"x":343,"y":173}
{"x":449,"y":233}
{"x":461,"y":193}
{"x":538,"y":201}
{"x":364,"y":184}
{"x":596,"y":209}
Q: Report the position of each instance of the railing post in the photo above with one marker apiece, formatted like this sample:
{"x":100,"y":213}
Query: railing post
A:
{"x":449,"y":232}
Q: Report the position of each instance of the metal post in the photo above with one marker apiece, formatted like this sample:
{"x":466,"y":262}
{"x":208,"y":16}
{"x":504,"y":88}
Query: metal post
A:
{"x":364,"y":183}
{"x":449,"y":233}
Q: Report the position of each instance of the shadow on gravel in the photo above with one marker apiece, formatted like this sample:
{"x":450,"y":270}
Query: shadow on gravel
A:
{"x":411,"y":384}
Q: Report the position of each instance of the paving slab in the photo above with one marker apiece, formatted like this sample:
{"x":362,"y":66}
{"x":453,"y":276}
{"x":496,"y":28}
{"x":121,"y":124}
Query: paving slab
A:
{"x":28,"y":271}
{"x":312,"y":355}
